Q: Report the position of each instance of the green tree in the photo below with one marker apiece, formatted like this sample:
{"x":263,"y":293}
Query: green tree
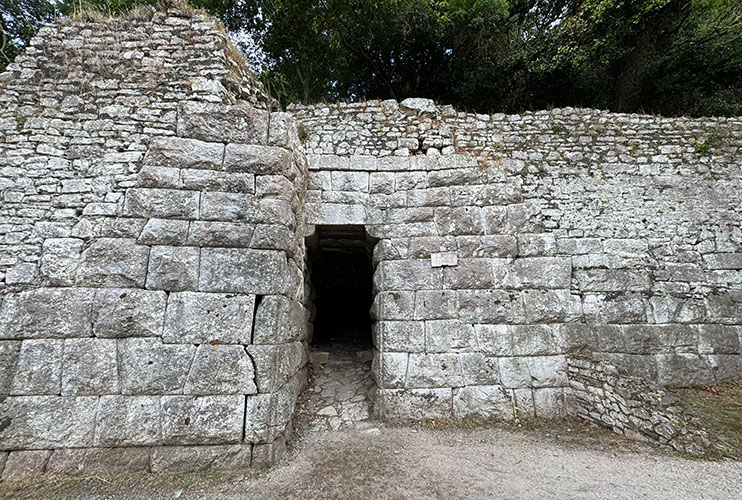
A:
{"x":19,"y":21}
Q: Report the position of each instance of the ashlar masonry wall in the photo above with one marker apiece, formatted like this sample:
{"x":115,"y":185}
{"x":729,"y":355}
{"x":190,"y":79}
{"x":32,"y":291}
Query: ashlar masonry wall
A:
{"x":151,"y":252}
{"x":154,"y":300}
{"x":507,"y":242}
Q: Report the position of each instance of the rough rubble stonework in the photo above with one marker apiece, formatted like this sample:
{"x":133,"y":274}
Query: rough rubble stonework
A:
{"x":156,"y":303}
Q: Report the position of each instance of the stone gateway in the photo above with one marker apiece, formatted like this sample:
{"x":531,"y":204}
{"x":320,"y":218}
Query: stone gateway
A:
{"x":158,"y":218}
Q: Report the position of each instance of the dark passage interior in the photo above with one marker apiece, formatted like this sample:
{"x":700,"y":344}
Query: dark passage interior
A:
{"x":342,"y":276}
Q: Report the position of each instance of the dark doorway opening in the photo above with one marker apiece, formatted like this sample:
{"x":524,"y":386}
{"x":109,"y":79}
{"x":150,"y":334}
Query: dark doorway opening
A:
{"x":342,"y":278}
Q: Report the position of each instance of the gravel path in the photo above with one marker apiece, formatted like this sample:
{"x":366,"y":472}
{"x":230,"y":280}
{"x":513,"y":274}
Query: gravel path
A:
{"x":414,"y":463}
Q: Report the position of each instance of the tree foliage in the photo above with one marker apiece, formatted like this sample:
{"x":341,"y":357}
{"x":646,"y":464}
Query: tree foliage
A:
{"x":665,"y":56}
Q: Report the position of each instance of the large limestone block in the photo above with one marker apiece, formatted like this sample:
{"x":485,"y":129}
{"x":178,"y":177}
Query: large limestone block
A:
{"x":87,"y":462}
{"x":212,"y":180}
{"x":719,"y":339}
{"x":209,"y":318}
{"x":258,"y":160}
{"x":478,"y":369}
{"x":221,"y":369}
{"x":434,"y":304}
{"x":9,"y":350}
{"x":202,"y":419}
{"x":220,"y":234}
{"x":275,"y":364}
{"x":164,"y":232}
{"x":390,"y":369}
{"x":459,"y":220}
{"x":623,"y":308}
{"x":393,"y":305}
{"x":190,"y":459}
{"x":448,"y":335}
{"x":178,"y":152}
{"x":425,"y":107}
{"x":489,"y":401}
{"x":725,"y":307}
{"x":128,"y":421}
{"x":46,"y":312}
{"x":401,"y":336}
{"x":408,"y":275}
{"x":59,"y":260}
{"x":267,"y":415}
{"x":533,"y":371}
{"x":128,"y":312}
{"x":47,"y":422}
{"x":489,"y":306}
{"x":113,"y":262}
{"x":223,"y":123}
{"x":89,"y":367}
{"x":278,"y":320}
{"x":469,"y":274}
{"x":173,"y":269}
{"x":154,"y":203}
{"x":613,"y":280}
{"x":539,"y":272}
{"x":238,"y":207}
{"x":239,"y":270}
{"x":434,"y":370}
{"x":147,"y":366}
{"x":39,"y":368}
{"x":550,"y":402}
{"x":551,"y":306}
{"x":683,"y":370}
{"x":518,"y":340}
{"x":413,"y":404}
{"x":25,"y":464}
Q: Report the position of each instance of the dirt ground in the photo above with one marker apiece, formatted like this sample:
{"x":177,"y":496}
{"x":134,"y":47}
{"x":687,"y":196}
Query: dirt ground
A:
{"x":570,"y":460}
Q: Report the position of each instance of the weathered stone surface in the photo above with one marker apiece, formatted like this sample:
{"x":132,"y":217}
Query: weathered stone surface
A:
{"x":391,"y":372}
{"x":220,"y":123}
{"x":535,"y":371}
{"x":221,"y":369}
{"x":278,"y":320}
{"x":128,"y":421}
{"x":275,"y":364}
{"x":209,"y":318}
{"x":419,"y":105}
{"x":25,"y":464}
{"x":551,"y":305}
{"x":173,"y":268}
{"x":267,"y":415}
{"x":202,"y":419}
{"x":414,"y":404}
{"x":9,"y":351}
{"x":161,"y":203}
{"x":434,"y":370}
{"x":46,"y":312}
{"x":220,"y":234}
{"x":47,"y":422}
{"x":261,"y":272}
{"x":39,"y":368}
{"x":113,"y":262}
{"x":181,"y":459}
{"x":490,"y":401}
{"x":448,"y":336}
{"x":59,"y":260}
{"x":147,"y":366}
{"x":265,"y":455}
{"x":164,"y":232}
{"x":128,"y":312}
{"x":401,"y":336}
{"x":97,"y":461}
{"x":184,"y":153}
{"x":259,"y":160}
{"x":539,"y":272}
{"x":89,"y":367}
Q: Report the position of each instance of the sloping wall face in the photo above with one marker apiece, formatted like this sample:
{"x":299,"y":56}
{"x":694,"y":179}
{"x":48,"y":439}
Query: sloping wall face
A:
{"x":507,"y":242}
{"x":151,"y":254}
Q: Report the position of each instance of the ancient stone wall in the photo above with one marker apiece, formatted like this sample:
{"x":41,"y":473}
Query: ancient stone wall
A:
{"x":555,"y":231}
{"x":155,"y":295}
{"x":635,"y":407}
{"x":151,"y":253}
